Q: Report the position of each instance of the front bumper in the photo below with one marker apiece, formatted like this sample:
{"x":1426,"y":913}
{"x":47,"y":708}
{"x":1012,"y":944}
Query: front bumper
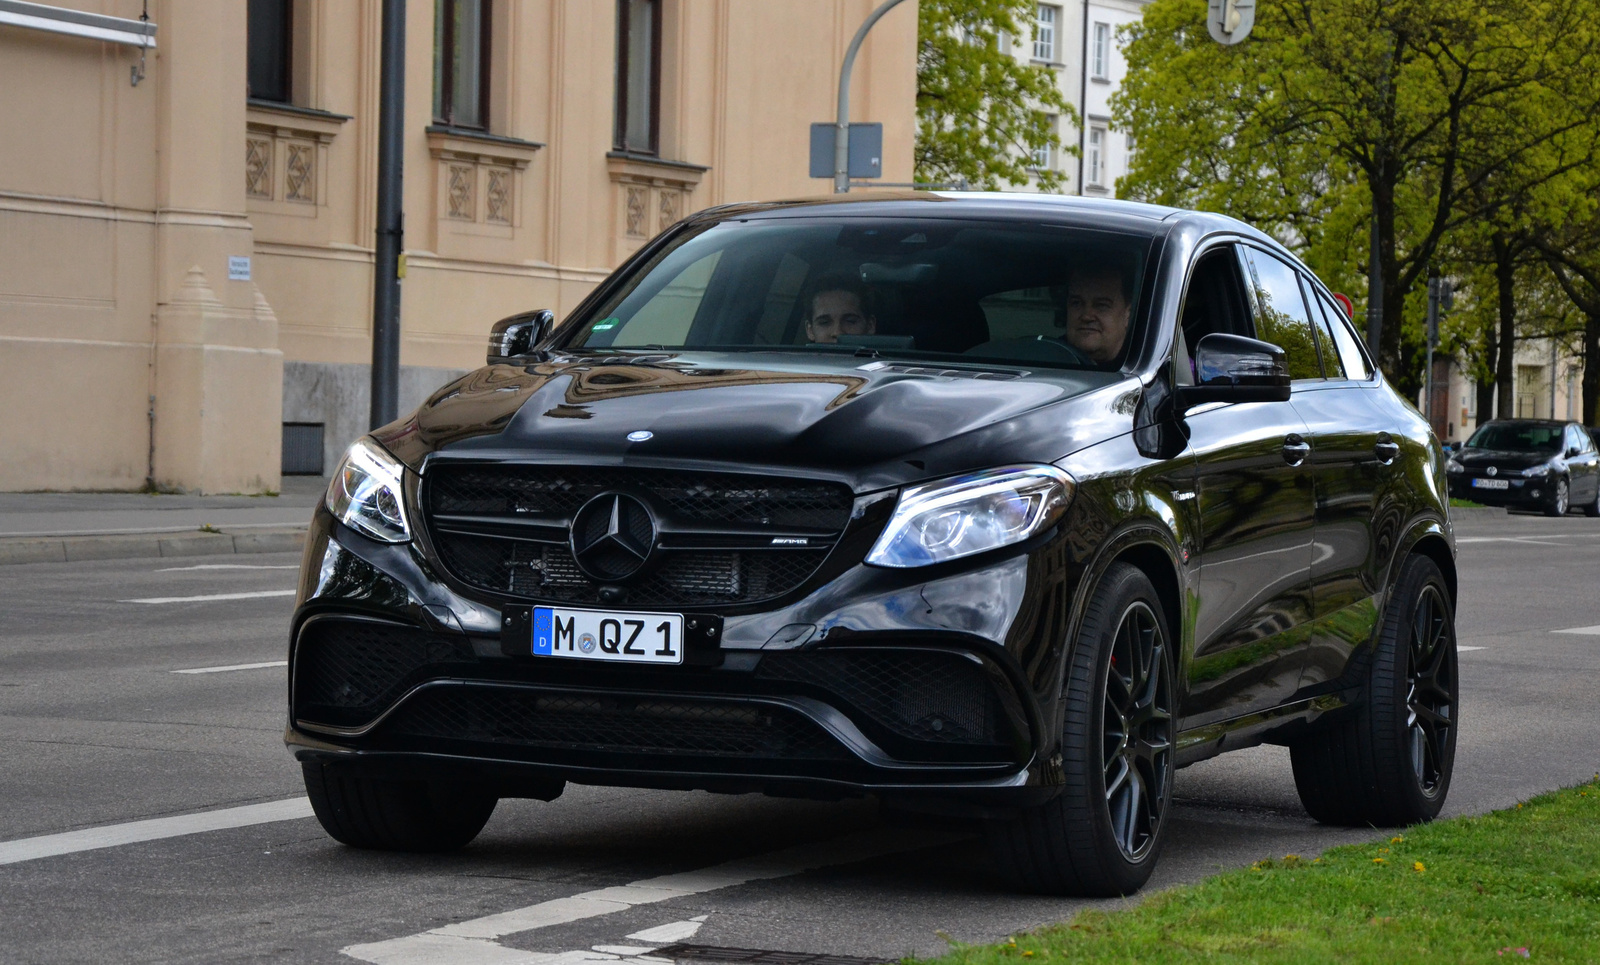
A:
{"x":863,"y":685}
{"x":1521,"y":491}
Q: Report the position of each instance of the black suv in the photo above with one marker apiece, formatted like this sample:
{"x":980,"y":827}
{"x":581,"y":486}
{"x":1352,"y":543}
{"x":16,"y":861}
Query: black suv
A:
{"x":1528,"y":464}
{"x":998,"y":507}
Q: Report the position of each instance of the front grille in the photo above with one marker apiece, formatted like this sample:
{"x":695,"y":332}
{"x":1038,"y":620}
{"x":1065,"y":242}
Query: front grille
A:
{"x":924,"y":695}
{"x":714,"y":543}
{"x":346,"y":671}
{"x":608,"y":723}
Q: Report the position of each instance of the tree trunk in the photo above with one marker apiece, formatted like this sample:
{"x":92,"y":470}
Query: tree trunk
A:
{"x":1506,"y":370}
{"x":1591,"y":367}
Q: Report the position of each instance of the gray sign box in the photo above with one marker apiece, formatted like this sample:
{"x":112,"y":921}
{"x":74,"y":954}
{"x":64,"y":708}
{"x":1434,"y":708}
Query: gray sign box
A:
{"x":866,"y":150}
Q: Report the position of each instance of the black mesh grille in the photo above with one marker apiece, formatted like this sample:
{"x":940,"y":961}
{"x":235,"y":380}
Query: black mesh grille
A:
{"x":704,"y":497}
{"x":681,"y":574}
{"x":924,"y":695}
{"x":613,"y":724}
{"x":347,"y":671}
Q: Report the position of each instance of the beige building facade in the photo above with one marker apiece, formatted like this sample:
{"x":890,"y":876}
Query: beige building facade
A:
{"x":186,"y":246}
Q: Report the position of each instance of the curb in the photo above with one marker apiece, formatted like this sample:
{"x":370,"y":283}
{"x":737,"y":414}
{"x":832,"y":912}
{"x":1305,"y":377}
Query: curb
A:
{"x":75,"y":549}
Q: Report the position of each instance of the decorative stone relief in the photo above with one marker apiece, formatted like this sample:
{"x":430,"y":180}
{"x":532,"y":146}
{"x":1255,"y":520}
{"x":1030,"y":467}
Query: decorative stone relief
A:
{"x":669,"y":209}
{"x":636,"y":210}
{"x":497,"y":196}
{"x":258,"y":167}
{"x":300,"y":172}
{"x":461,"y":178}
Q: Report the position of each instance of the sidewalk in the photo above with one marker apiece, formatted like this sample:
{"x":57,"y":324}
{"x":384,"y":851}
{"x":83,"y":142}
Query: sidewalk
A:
{"x":67,"y":527}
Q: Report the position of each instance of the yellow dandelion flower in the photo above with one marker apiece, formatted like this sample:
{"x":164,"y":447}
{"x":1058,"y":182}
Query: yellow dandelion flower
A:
{"x":1397,"y":839}
{"x":1379,"y":861}
{"x":1417,"y":866}
{"x":1027,"y":954}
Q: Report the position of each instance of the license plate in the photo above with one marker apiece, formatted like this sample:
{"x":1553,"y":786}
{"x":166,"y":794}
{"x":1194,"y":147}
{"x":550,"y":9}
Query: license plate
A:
{"x":608,"y":635}
{"x":1490,"y":484}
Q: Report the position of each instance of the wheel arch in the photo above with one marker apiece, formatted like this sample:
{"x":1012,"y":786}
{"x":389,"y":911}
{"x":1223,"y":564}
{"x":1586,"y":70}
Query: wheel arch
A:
{"x":1432,"y":544}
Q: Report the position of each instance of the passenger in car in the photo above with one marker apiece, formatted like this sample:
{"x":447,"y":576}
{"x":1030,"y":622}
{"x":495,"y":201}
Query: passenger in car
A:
{"x":1098,"y":300}
{"x":839,"y":304}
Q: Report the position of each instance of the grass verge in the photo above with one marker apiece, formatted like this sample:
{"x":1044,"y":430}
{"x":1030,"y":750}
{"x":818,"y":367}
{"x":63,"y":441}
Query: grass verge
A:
{"x":1513,"y":884}
{"x":1465,"y":503}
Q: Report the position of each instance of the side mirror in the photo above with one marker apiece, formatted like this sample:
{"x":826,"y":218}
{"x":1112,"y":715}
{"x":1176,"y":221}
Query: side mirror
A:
{"x":1232,"y":368}
{"x":515,"y":336}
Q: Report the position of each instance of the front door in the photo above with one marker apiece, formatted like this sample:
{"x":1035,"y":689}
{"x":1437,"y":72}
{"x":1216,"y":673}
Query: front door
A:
{"x":1255,"y":497}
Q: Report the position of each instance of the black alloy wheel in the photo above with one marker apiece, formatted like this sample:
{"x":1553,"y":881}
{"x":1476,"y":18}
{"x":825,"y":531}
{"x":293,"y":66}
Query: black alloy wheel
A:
{"x":1137,"y":726}
{"x":1387,"y":760}
{"x":1430,"y":697}
{"x":1559,"y":499}
{"x":1101,"y":835}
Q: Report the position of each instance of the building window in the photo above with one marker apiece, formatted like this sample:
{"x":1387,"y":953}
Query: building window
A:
{"x":1096,"y":172}
{"x":1100,"y":52}
{"x":1044,"y":158}
{"x":270,"y":26}
{"x":1044,"y":40}
{"x":638,"y":75}
{"x":461,"y":33}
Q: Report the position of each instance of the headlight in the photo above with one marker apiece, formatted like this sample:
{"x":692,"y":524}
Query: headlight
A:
{"x":1450,"y":465}
{"x":1541,"y":469}
{"x":958,"y":517}
{"x":365,"y":493}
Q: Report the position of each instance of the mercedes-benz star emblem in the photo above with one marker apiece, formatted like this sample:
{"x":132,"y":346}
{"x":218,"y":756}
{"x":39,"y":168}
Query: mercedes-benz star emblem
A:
{"x":612,"y":536}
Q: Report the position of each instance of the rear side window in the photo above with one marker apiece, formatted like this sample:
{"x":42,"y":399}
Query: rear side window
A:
{"x":1332,"y":364}
{"x":1353,"y":360}
{"x":1281,"y":316}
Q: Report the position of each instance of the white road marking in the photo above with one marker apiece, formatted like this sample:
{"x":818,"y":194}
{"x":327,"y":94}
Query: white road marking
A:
{"x":280,"y":663}
{"x":1543,"y":541}
{"x":1459,"y":649}
{"x":670,"y":933}
{"x":228,"y":566}
{"x":212,"y":596}
{"x":1582,"y":631}
{"x":154,"y":829}
{"x":473,"y":942}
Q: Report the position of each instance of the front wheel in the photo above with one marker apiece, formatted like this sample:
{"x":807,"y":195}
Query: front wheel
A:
{"x":1389,"y":763}
{"x":1559,"y":499}
{"x":1101,"y":835}
{"x":388,"y":815}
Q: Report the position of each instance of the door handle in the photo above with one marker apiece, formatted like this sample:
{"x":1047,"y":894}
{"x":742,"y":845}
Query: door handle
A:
{"x":1296,"y":449}
{"x":1386,"y":449}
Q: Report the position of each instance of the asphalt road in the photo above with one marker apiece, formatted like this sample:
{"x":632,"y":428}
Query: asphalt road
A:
{"x":98,"y":730}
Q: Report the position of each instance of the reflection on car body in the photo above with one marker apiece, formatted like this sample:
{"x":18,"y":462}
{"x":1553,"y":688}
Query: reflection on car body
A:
{"x":947,"y":549}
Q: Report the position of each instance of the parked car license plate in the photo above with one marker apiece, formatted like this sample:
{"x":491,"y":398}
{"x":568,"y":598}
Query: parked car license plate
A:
{"x":608,"y":635}
{"x":1490,"y":484}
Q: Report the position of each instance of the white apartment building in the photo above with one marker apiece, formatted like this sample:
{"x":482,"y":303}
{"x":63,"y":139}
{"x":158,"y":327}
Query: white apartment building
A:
{"x":1078,"y":40}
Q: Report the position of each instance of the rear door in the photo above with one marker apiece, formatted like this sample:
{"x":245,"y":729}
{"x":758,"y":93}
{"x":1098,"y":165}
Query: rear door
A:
{"x":1253,"y":489}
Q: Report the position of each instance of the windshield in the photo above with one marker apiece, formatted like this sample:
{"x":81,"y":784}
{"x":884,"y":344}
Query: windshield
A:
{"x":1036,"y":295}
{"x":1517,"y":437}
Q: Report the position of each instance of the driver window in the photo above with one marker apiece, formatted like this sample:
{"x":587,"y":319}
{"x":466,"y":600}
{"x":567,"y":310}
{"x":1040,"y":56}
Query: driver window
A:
{"x":1214,"y":302}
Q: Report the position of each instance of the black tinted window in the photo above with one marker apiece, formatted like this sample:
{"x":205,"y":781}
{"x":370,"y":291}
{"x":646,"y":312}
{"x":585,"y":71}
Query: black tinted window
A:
{"x":1517,"y":437}
{"x":1351,"y":358}
{"x":1016,"y":293}
{"x":1281,"y":316}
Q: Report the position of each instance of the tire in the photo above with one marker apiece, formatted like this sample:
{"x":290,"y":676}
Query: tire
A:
{"x":1388,"y":764}
{"x":1559,"y":499}
{"x":1086,"y":842}
{"x":385,"y":815}
{"x":1592,"y":507}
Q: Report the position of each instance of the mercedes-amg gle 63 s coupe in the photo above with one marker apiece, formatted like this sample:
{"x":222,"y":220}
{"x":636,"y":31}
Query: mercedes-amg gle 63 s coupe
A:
{"x":996,"y":508}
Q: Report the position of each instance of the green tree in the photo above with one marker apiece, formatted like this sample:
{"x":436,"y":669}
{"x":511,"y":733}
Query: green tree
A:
{"x":981,"y":113}
{"x":1338,"y":119}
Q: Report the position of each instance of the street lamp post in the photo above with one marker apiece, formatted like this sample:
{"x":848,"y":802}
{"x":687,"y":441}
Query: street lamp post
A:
{"x":387,"y":248}
{"x":841,"y":132}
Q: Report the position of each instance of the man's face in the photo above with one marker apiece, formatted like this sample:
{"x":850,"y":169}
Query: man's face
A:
{"x":1097,"y":315}
{"x":836,"y":313}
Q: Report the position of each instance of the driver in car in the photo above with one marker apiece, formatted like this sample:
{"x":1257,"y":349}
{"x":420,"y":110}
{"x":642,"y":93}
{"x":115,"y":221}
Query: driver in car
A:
{"x":839,"y":305}
{"x":1099,"y":299}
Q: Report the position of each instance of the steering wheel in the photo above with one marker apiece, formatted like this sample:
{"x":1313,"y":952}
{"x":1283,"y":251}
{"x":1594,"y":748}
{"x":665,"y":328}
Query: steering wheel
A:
{"x":1037,"y":348}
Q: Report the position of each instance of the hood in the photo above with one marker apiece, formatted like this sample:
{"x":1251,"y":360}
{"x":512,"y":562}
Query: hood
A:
{"x":873,"y":423}
{"x":1503,"y":459}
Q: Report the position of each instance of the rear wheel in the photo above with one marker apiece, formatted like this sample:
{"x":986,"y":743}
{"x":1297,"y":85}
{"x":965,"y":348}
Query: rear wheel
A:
{"x":1592,"y":507}
{"x":387,"y":815}
{"x":1389,"y":763}
{"x":1102,"y":834}
{"x":1559,"y":499}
